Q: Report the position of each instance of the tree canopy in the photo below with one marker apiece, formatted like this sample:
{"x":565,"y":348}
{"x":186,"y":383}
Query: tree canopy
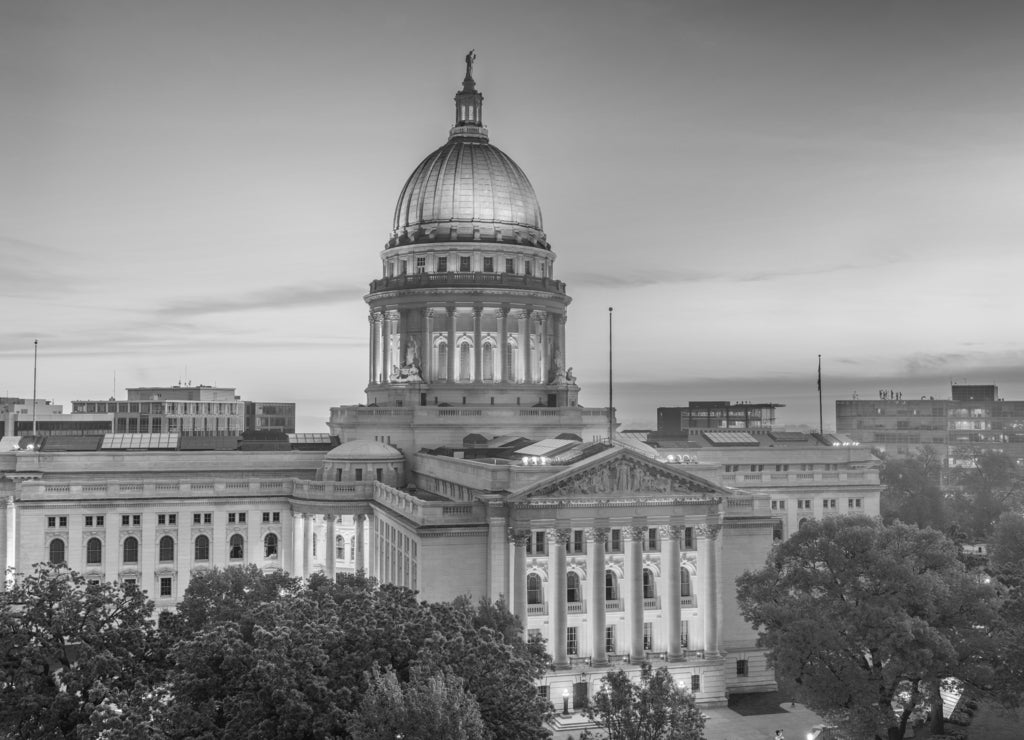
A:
{"x":992,"y":483}
{"x":865,"y":620}
{"x":911,"y":490}
{"x":652,"y":708}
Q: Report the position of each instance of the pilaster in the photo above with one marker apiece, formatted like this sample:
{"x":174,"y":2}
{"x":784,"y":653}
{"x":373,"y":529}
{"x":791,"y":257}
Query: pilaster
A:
{"x":596,"y":539}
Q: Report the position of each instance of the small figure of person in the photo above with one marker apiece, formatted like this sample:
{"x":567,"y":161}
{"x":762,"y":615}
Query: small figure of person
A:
{"x":779,"y":735}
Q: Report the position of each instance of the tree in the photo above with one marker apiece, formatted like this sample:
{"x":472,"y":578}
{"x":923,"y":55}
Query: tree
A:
{"x":66,"y":646}
{"x":990,"y":484}
{"x":911,"y":492}
{"x":865,"y":619}
{"x":653,"y":708}
{"x":426,"y":707}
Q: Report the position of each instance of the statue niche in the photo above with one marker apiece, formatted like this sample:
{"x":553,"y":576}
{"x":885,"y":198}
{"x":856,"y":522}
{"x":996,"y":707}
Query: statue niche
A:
{"x":409,"y":371}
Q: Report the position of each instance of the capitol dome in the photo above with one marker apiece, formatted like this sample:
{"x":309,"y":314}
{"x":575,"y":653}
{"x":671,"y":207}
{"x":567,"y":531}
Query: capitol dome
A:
{"x":468,"y":189}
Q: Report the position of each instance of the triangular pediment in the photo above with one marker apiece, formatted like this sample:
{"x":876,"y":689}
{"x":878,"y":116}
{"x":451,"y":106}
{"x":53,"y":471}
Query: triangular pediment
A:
{"x":619,"y":474}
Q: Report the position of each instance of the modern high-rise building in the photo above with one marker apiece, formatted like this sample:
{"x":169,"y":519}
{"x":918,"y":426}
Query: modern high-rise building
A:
{"x":470,"y":470}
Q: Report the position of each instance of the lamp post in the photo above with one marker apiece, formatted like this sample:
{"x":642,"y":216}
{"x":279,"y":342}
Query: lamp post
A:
{"x":565,"y":702}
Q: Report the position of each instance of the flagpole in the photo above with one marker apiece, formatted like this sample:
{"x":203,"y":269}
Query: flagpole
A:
{"x":35,"y":364}
{"x":821,"y":415}
{"x":611,"y":406}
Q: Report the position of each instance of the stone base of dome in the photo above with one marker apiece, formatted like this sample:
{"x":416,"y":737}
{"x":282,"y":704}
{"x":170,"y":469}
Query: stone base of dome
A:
{"x":469,"y":394}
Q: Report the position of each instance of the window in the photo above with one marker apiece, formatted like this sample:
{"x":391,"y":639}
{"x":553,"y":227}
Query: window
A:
{"x":130,"y":550}
{"x":202,"y":548}
{"x":572,"y":588}
{"x":577,"y":541}
{"x":535,"y":635}
{"x":781,"y":468}
{"x":684,"y":582}
{"x":442,"y":264}
{"x":695,"y":683}
{"x":236,"y":547}
{"x":616,"y":540}
{"x":540,"y":543}
{"x":62,"y":521}
{"x":829,"y":503}
{"x":609,"y":639}
{"x":241,"y":517}
{"x":803,"y":503}
{"x":402,"y":267}
{"x":339,"y":548}
{"x":463,"y":264}
{"x":51,"y":521}
{"x":778,"y":505}
{"x":648,"y":584}
{"x":94,"y":551}
{"x":56,"y":551}
{"x":266,"y":516}
{"x":684,"y":634}
{"x":688,"y":538}
{"x":488,"y":264}
{"x":197,"y":518}
{"x":165,"y":519}
{"x":652,"y":538}
{"x":165,"y":587}
{"x":528,"y":265}
{"x":571,"y":644}
{"x":534,"y":589}
{"x":88,"y":521}
{"x":359,"y":473}
{"x":276,"y":516}
{"x":510,"y":265}
{"x":380,"y":474}
{"x":166,"y":549}
{"x":853,"y":503}
{"x":741,"y":668}
{"x":421,"y":265}
{"x":611,"y":586}
{"x":648,"y":635}
{"x":270,"y":546}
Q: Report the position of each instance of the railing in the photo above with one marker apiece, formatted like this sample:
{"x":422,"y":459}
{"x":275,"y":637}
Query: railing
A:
{"x":654,"y":603}
{"x":577,"y":607}
{"x":613,"y":605}
{"x":485,"y":280}
{"x":536,"y":610}
{"x":687,"y":601}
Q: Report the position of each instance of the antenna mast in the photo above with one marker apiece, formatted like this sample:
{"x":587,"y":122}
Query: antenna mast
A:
{"x":35,"y":365}
{"x":611,"y":405}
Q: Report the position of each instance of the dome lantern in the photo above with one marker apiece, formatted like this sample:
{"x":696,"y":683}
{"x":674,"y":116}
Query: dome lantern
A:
{"x":469,"y":104}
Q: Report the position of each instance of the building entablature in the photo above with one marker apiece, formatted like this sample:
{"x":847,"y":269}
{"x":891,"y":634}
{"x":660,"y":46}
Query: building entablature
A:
{"x":154,"y":463}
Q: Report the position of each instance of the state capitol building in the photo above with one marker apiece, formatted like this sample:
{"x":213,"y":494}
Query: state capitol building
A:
{"x":471,"y":468}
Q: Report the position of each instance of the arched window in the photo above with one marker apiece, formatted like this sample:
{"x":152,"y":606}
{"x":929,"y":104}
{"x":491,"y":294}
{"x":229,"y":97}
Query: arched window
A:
{"x":611,"y":586}
{"x":131,"y":550}
{"x":510,"y":363}
{"x":684,"y":582}
{"x":166,"y":548}
{"x":648,"y":584}
{"x":488,"y":362}
{"x":572,"y":588}
{"x":339,"y":548}
{"x":236,"y":547}
{"x":202,"y":547}
{"x":464,"y":361}
{"x":442,"y":361}
{"x":534,"y":590}
{"x":777,"y":532}
{"x":94,"y":551}
{"x":802,"y":523}
{"x":56,"y":551}
{"x":270,"y":545}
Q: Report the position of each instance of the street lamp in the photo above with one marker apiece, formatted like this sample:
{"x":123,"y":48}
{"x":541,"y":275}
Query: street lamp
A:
{"x":565,"y":702}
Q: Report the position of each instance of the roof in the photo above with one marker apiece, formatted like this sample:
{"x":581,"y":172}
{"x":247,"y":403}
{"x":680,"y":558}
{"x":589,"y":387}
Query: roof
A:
{"x":363,"y":449}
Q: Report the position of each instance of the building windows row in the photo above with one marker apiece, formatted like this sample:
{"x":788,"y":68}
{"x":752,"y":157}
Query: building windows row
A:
{"x":165,"y":550}
{"x":574,"y":592}
{"x":577,"y":543}
{"x":465,"y":264}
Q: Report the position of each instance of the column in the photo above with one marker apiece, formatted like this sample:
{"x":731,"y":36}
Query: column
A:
{"x":386,"y":355}
{"x":11,"y":549}
{"x":378,"y":346}
{"x":478,"y":349}
{"x":501,"y":360}
{"x":542,"y":348}
{"x":373,"y":352}
{"x":360,"y":542}
{"x":557,"y":539}
{"x":707,"y":562}
{"x":329,"y":551}
{"x":307,"y":537}
{"x":371,"y":550}
{"x":670,"y":568}
{"x":427,"y":347}
{"x":596,"y":539}
{"x":298,"y":534}
{"x":560,"y":325}
{"x":634,"y":577}
{"x":519,"y":538}
{"x":525,"y":331}
{"x":451,"y":344}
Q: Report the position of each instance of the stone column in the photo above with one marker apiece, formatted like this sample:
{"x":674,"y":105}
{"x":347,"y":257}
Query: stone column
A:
{"x":298,"y":548}
{"x":634,"y":577}
{"x":542,"y":347}
{"x":499,"y":370}
{"x":386,"y":356}
{"x":526,"y":332}
{"x":360,"y":520}
{"x":373,"y":356}
{"x":371,"y":549}
{"x":557,"y":539}
{"x":307,"y":537}
{"x":519,"y":538}
{"x":560,"y":319}
{"x":670,"y":568}
{"x":426,"y":346}
{"x":596,"y":539}
{"x":329,"y":552}
{"x":451,"y":344}
{"x":478,"y":348}
{"x":707,"y":562}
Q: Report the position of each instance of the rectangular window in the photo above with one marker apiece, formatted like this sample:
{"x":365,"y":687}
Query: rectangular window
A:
{"x":652,"y":538}
{"x":161,"y":519}
{"x":609,"y":639}
{"x":540,"y":543}
{"x":528,"y":265}
{"x":241,"y":517}
{"x":359,"y":473}
{"x":695,"y":683}
{"x":510,"y":265}
{"x":571,"y":646}
{"x":741,"y":668}
{"x":380,"y":474}
{"x":129,"y":581}
{"x":231,"y":517}
{"x":207,"y":518}
{"x":488,"y":264}
{"x":616,"y":540}
{"x":648,"y":635}
{"x":136,"y":520}
{"x":277,"y":516}
{"x":577,"y":541}
{"x":266,"y":516}
{"x":854,"y":503}
{"x":165,"y":586}
{"x":421,"y":265}
{"x":124,"y":520}
{"x":688,"y":538}
{"x":463,"y":264}
{"x":534,"y":635}
{"x":684,"y":634}
{"x":51,"y":521}
{"x":442,"y":264}
{"x":88,"y":521}
{"x":781,"y":468}
{"x":62,"y":521}
{"x":99,"y":521}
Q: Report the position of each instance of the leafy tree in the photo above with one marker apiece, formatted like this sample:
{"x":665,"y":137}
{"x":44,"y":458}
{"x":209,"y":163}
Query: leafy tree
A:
{"x":865,"y":619}
{"x":1006,"y":550}
{"x":911,"y":492}
{"x":653,"y":708}
{"x":66,"y":646}
{"x":1007,"y":563}
{"x":992,"y":483}
{"x":426,"y":707}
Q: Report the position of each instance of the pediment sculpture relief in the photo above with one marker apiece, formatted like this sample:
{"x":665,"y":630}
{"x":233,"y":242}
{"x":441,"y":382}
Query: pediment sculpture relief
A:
{"x":623,"y":477}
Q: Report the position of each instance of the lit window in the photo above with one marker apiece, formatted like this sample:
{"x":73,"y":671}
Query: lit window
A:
{"x":572,"y":588}
{"x":166,"y":549}
{"x":648,"y":635}
{"x":270,"y":545}
{"x":236,"y":547}
{"x":534,"y":589}
{"x":571,"y":644}
{"x":609,"y":639}
{"x":165,"y":587}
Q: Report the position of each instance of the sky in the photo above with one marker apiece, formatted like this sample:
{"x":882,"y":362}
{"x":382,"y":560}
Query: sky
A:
{"x":200,"y":190}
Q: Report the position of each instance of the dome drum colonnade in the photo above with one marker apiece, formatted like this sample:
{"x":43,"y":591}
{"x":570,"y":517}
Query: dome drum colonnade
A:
{"x":468,"y":310}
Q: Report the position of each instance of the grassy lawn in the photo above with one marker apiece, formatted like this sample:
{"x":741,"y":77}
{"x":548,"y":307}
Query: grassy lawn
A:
{"x":748,"y":704}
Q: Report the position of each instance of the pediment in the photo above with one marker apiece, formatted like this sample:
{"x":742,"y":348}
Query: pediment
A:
{"x":619,"y":475}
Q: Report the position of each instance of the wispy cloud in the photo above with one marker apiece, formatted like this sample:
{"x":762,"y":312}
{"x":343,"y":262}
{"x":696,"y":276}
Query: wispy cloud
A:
{"x":279,"y":297}
{"x":651,"y":277}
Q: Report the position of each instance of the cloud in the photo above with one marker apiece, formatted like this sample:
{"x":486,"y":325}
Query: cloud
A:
{"x":276,"y":298}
